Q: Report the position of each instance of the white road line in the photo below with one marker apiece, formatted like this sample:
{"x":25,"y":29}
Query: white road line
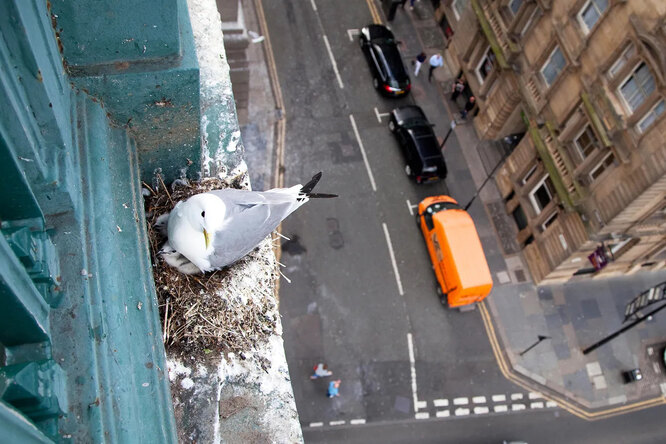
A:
{"x":551,"y":404}
{"x":460,"y":401}
{"x":481,"y":410}
{"x":656,"y":367}
{"x":535,"y":395}
{"x":410,"y":346}
{"x":500,"y":408}
{"x":422,"y":415}
{"x":316,"y":424}
{"x":380,"y":115}
{"x":393,"y":262}
{"x":409,"y":207}
{"x":336,"y":423}
{"x":479,"y":400}
{"x":352,"y":32}
{"x":536,"y":405}
{"x":441,"y":402}
{"x":443,"y":414}
{"x":461,"y":412}
{"x":516,"y":407}
{"x":516,"y":396}
{"x":335,"y":66}
{"x":357,"y":421}
{"x":314,"y":6}
{"x":365,"y":157}
{"x":499,"y":398}
{"x":421,"y":405}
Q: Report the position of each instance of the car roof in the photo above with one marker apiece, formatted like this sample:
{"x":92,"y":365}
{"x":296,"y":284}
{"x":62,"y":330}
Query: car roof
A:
{"x":379,"y":31}
{"x":410,"y":112}
{"x":426,"y":142}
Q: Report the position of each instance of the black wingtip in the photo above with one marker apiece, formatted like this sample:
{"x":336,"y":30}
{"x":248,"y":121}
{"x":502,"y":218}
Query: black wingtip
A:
{"x":308,"y":187}
{"x":321,"y":195}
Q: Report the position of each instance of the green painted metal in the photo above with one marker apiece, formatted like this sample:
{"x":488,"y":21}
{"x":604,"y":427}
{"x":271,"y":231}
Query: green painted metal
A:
{"x":490,"y":35}
{"x":568,"y":164}
{"x":595,"y":120}
{"x":16,"y":428}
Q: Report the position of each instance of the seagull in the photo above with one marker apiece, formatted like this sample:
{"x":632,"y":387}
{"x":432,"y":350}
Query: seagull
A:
{"x":211,"y":230}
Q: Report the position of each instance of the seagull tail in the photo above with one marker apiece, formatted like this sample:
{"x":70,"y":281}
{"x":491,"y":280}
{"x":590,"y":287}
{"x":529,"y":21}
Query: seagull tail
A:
{"x":308,"y":187}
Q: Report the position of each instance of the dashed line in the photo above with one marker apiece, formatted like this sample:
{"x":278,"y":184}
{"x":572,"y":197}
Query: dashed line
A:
{"x":516,"y":396}
{"x":443,"y":414}
{"x":516,"y":407}
{"x":551,"y":404}
{"x":499,"y":398}
{"x":441,"y":402}
{"x":422,"y":415}
{"x":461,"y":412}
{"x":357,"y":421}
{"x":337,"y":423}
{"x":410,"y":347}
{"x":536,"y":405}
{"x":500,"y":408}
{"x":365,"y":157}
{"x":481,"y":410}
{"x":535,"y":395}
{"x":335,"y":66}
{"x":461,"y":401}
{"x":316,"y":424}
{"x":479,"y":400}
{"x":314,"y":6}
{"x":395,"y":268}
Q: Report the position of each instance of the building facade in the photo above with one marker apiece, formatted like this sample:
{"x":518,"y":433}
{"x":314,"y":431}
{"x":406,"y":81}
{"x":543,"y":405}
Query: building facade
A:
{"x":581,"y":84}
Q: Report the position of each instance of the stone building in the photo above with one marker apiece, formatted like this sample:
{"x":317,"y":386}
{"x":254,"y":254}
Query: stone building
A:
{"x":579,"y":85}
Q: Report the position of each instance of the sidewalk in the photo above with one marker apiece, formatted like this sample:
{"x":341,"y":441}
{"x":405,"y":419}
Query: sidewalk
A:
{"x":571,"y":316}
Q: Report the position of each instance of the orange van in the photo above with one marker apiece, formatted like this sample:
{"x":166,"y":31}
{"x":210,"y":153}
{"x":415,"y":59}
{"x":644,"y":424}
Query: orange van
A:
{"x":455,"y":251}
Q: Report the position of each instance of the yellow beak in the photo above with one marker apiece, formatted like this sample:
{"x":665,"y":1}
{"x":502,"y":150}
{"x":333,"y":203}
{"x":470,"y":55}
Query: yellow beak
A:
{"x":206,"y":238}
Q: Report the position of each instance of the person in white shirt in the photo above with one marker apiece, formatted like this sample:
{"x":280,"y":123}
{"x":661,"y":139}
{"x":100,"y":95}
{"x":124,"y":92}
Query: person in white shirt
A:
{"x":435,"y":62}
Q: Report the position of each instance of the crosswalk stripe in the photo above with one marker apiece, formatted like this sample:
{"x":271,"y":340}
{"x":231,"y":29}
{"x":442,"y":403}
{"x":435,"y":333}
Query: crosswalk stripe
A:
{"x":461,"y":401}
{"x":500,"y":408}
{"x":516,"y":396}
{"x":357,"y":421}
{"x":516,"y":407}
{"x":443,"y":414}
{"x":441,"y":402}
{"x":461,"y":412}
{"x":481,"y":410}
{"x":499,"y":398}
{"x":479,"y":400}
{"x":422,"y":415}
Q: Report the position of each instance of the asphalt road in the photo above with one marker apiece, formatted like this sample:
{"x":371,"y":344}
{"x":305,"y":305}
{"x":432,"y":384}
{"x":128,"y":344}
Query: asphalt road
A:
{"x":362,"y":292}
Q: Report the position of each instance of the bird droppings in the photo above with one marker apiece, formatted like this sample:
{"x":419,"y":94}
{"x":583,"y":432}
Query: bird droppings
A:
{"x":212,"y":311}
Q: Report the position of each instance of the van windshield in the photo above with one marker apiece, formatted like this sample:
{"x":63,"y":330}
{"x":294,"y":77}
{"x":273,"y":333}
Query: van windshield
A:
{"x":436,"y":208}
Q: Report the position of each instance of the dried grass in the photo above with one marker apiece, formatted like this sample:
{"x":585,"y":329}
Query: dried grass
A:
{"x":232,"y":310}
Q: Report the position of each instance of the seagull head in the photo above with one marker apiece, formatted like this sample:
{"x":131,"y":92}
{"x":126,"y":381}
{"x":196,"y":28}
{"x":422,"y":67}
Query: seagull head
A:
{"x":205,"y":213}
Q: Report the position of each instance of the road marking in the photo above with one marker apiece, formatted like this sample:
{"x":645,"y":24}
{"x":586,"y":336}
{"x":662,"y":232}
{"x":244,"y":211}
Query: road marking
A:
{"x":500,"y":408}
{"x":335,"y":66}
{"x":516,"y":407}
{"x":410,"y":207}
{"x":314,"y":6}
{"x":365,"y":157}
{"x":357,"y":421}
{"x":499,"y":398}
{"x":516,"y":396}
{"x":481,"y":410}
{"x":380,"y":115}
{"x":393,"y":262}
{"x":316,"y":424}
{"x":412,"y":367}
{"x":336,"y":423}
{"x":656,"y":367}
{"x":535,"y":395}
{"x":551,"y":404}
{"x":352,"y":32}
{"x":536,"y":405}
{"x":374,"y":12}
{"x":422,"y":415}
{"x":421,"y":405}
{"x":443,"y":414}
{"x":461,"y":401}
{"x":441,"y":402}
{"x":479,"y":400}
{"x":461,"y":412}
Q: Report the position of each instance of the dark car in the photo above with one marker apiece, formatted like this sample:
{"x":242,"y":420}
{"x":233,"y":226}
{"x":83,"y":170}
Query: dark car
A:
{"x":423,"y":157}
{"x":381,"y":51}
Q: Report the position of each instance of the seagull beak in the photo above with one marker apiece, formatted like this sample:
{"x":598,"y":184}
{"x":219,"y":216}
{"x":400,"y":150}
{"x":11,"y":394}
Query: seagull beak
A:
{"x":207,"y":238}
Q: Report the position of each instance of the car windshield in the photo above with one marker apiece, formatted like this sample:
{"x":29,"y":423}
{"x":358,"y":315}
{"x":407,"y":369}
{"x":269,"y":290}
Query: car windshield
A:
{"x":435,"y":208}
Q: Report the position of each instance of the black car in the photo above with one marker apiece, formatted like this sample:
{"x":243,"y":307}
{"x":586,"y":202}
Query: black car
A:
{"x":381,"y":51}
{"x":423,"y":157}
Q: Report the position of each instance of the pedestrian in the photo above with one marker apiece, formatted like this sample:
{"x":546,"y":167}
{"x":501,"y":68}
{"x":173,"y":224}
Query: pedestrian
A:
{"x":320,"y":371}
{"x":469,"y":106}
{"x":435,"y":62}
{"x":333,"y":387}
{"x":457,"y":88}
{"x":418,"y":62}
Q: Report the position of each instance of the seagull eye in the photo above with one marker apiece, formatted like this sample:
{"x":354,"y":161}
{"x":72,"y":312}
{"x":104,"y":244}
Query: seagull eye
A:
{"x":203,"y":214}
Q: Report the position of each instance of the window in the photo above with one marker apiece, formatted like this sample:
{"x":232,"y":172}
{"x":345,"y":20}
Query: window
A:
{"x":528,"y":175}
{"x":586,"y":142}
{"x":458,"y":7}
{"x":542,"y":194}
{"x":651,"y":116}
{"x":514,"y":6}
{"x":637,"y":87}
{"x":591,"y":13}
{"x":553,"y":66}
{"x":602,"y":166}
{"x":627,"y":55}
{"x":520,"y":218}
{"x":486,"y":65}
{"x":549,"y":221}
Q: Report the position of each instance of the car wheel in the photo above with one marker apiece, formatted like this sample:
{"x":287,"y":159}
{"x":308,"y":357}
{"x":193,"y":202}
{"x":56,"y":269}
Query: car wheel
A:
{"x":392,"y":126}
{"x":375,"y":83}
{"x":408,"y":170}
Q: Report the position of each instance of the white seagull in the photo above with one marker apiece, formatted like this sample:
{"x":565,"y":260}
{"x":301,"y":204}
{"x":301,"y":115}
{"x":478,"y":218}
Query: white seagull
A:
{"x":215,"y":229}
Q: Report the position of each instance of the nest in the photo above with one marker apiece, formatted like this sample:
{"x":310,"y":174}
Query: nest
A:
{"x":232,"y":310}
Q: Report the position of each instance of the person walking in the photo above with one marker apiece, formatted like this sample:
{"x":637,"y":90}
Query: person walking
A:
{"x":418,"y":62}
{"x":321,"y":371}
{"x":435,"y":62}
{"x":469,"y":106}
{"x":457,"y":88}
{"x":333,"y":389}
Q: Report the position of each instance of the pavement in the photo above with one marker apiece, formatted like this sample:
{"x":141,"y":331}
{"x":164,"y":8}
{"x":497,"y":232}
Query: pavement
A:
{"x":570,"y":316}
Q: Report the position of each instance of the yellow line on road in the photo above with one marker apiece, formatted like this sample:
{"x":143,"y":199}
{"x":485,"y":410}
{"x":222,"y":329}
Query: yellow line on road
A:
{"x":571,"y":408}
{"x":376,"y":18}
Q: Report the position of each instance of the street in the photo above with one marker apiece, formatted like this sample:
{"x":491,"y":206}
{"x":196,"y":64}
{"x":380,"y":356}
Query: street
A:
{"x":360,"y":293}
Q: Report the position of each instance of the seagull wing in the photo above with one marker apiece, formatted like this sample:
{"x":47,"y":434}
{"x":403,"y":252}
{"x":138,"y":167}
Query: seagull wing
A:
{"x":250,"y":217}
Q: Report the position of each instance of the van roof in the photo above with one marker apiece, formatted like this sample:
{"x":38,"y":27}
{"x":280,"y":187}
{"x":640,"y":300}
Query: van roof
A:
{"x":457,"y":227}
